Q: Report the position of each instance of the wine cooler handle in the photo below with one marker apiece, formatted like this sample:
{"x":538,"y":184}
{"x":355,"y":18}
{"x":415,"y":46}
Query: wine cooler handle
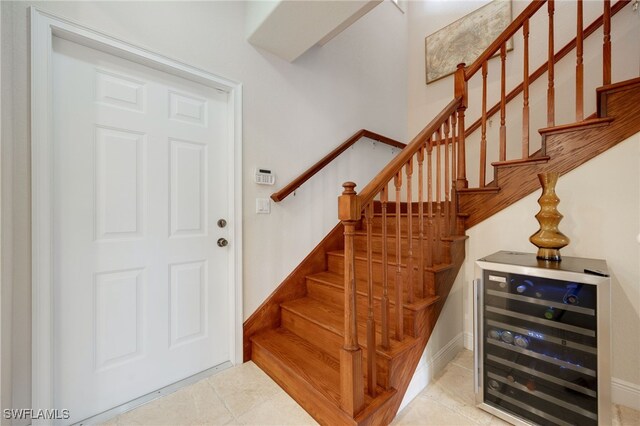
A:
{"x":476,"y":336}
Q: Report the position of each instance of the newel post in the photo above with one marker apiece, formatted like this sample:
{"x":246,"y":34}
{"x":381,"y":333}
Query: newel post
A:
{"x":460,"y":91}
{"x":351,"y":378}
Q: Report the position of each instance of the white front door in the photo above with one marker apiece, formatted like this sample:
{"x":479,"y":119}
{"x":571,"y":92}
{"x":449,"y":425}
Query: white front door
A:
{"x":140,"y":285}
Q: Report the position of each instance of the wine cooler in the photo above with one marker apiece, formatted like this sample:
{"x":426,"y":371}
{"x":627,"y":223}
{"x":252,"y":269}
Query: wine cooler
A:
{"x":542,"y":339}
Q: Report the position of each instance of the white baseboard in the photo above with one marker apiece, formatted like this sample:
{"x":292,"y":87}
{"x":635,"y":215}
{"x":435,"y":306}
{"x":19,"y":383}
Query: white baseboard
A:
{"x":468,"y":341}
{"x":427,"y":369}
{"x":625,"y":393}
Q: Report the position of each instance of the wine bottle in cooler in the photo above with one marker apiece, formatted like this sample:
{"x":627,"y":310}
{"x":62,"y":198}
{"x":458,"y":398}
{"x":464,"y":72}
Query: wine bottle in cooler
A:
{"x":528,"y":288}
{"x":571,"y":296}
{"x":551,"y":313}
{"x":521,"y":341}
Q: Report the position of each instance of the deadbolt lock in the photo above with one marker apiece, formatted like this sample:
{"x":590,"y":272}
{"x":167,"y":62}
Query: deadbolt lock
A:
{"x":222,"y":223}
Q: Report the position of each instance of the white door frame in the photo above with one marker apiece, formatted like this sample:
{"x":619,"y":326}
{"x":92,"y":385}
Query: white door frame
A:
{"x":44,"y":26}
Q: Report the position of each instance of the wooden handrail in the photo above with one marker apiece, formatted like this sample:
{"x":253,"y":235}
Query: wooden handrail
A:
{"x":597,"y":23}
{"x":307,"y":174}
{"x":513,"y":27}
{"x":391,"y":170}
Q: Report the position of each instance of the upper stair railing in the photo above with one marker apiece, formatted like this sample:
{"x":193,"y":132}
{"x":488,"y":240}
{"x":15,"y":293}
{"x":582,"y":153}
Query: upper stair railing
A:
{"x":499,"y":46}
{"x":568,"y":48}
{"x":419,"y":233}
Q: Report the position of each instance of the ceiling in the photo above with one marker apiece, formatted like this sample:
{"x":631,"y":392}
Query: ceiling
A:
{"x":288,"y":28}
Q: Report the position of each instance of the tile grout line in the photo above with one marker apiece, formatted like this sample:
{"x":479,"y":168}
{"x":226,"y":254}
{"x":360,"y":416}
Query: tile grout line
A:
{"x":224,"y":403}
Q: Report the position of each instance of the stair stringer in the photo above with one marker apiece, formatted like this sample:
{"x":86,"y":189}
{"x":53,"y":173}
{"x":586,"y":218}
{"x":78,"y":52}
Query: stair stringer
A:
{"x":567,"y":146}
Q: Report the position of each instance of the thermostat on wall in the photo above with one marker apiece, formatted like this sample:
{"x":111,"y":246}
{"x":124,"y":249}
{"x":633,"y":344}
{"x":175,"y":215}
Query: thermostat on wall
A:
{"x":265,"y":177}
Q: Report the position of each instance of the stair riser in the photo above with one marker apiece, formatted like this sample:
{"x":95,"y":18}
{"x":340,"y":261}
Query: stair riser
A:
{"x":336,"y":264}
{"x":329,"y":294}
{"x":330,"y":342}
{"x":360,"y":245}
{"x":391,"y":206}
{"x":376,"y":224}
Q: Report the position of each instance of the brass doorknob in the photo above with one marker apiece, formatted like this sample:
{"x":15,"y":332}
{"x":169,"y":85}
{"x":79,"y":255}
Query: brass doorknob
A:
{"x":222,"y":242}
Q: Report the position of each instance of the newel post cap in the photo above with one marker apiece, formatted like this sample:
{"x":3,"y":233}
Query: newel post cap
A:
{"x":460,"y":84}
{"x":349,"y":203}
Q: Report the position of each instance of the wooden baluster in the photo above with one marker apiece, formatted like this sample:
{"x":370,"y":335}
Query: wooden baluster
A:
{"x":462,"y":93}
{"x":454,"y":141}
{"x":384,"y":301}
{"x":503,"y":102}
{"x":606,"y":46}
{"x":421,"y":221}
{"x":579,"y":67}
{"x":371,"y":324}
{"x":430,"y":228}
{"x":483,"y":135}
{"x":551,"y":114}
{"x":430,"y":233}
{"x":351,"y":377}
{"x":447,"y":126}
{"x":399,"y":299}
{"x":409,"y":171}
{"x":454,"y":210}
{"x":525,"y":96}
{"x":438,"y":230}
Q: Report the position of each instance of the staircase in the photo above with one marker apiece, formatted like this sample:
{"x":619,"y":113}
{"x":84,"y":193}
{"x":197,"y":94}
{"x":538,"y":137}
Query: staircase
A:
{"x":344,"y":333}
{"x":303,"y":352}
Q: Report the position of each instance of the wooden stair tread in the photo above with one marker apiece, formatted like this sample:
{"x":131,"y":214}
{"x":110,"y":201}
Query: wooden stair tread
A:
{"x":453,"y":238}
{"x":313,"y":371}
{"x":336,"y":281}
{"x":621,"y":85}
{"x":484,"y":190}
{"x":580,"y":125}
{"x":316,"y":367}
{"x":530,"y":160}
{"x":331,"y":318}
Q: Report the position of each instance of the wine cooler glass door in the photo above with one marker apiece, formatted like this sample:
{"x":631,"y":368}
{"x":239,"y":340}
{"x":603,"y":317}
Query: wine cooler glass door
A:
{"x":539,"y":348}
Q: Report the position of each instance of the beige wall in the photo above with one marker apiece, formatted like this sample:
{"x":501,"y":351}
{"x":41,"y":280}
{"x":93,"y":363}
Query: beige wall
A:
{"x":507,"y":231}
{"x":294,"y":113}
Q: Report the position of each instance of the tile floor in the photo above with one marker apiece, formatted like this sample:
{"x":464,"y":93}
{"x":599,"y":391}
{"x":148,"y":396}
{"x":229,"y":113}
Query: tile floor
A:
{"x":244,"y":395}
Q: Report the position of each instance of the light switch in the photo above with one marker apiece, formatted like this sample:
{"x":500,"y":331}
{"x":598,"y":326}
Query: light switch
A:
{"x":263,"y":205}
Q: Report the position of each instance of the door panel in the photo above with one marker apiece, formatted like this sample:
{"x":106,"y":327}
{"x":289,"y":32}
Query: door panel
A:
{"x":140,"y":179}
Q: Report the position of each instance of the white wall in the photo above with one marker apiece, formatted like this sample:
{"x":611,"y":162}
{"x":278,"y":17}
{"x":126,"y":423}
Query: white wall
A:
{"x":425,"y":101}
{"x":293,"y":115}
{"x":600,"y":202}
